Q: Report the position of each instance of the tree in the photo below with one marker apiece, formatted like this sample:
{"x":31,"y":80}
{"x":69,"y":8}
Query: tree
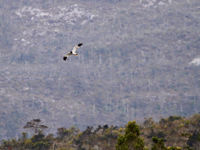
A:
{"x":35,"y":125}
{"x":39,"y":142}
{"x":194,"y":140}
{"x":158,"y":144}
{"x":63,"y":132}
{"x":131,"y":140}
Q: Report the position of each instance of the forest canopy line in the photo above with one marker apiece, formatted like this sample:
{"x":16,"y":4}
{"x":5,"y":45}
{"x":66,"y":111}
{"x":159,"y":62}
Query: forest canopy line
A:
{"x":172,"y":133}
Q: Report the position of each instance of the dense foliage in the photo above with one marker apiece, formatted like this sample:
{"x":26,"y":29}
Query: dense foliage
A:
{"x":130,"y":140}
{"x":173,"y":133}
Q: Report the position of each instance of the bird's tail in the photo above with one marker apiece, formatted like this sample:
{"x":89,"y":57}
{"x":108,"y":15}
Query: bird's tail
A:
{"x":65,"y":58}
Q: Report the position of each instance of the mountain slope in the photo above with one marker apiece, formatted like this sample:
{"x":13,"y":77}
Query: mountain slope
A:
{"x":135,"y":62}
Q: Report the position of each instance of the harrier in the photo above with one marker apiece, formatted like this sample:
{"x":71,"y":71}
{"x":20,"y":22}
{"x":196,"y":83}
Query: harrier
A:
{"x":72,"y":52}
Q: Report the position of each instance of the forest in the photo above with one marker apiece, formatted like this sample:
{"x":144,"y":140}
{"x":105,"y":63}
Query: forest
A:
{"x":137,"y":61}
{"x":172,"y":133}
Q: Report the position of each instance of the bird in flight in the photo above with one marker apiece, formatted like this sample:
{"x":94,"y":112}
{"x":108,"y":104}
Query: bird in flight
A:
{"x":72,"y":52}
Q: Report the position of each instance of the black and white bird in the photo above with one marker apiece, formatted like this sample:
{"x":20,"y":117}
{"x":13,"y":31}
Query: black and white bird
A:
{"x":72,"y":52}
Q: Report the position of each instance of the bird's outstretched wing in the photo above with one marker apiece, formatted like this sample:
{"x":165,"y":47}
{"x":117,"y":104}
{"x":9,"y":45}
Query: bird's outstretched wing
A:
{"x":76,"y":47}
{"x":67,"y":55}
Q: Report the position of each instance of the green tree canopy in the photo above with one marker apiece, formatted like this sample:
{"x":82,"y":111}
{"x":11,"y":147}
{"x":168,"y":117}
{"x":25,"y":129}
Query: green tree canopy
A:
{"x":131,"y":140}
{"x":158,"y":144}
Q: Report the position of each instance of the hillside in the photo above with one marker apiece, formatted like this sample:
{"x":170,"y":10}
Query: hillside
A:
{"x":139,"y":60}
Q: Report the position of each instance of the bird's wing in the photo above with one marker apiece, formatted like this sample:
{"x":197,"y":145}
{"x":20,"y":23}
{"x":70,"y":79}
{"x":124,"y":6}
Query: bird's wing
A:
{"x":76,"y":47}
{"x":68,"y":54}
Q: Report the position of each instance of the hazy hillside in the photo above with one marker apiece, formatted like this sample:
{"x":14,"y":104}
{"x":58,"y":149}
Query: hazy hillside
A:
{"x":140,"y":58}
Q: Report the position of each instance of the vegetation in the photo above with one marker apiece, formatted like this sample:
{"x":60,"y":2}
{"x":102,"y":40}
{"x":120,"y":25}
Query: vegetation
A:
{"x":173,"y":133}
{"x":35,"y":125}
{"x":158,"y":144}
{"x":131,"y":139}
